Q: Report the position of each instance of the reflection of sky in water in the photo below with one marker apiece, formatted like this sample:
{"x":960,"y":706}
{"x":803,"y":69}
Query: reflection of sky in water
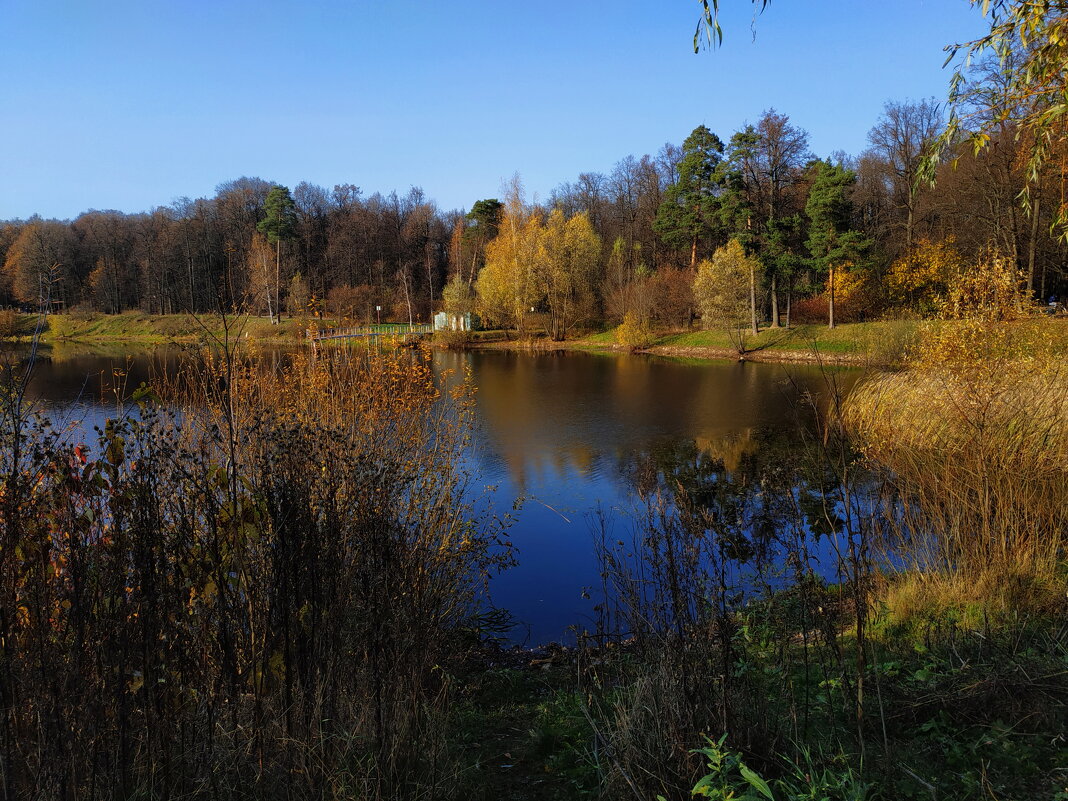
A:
{"x":560,"y":429}
{"x":78,"y":387}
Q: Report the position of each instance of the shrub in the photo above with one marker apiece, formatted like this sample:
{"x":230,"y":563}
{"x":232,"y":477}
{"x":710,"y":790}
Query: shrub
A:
{"x":672,"y":296}
{"x":992,"y":289}
{"x":920,"y":280}
{"x":9,"y":323}
{"x":453,"y":339}
{"x":264,"y":594}
{"x":177,"y":325}
{"x":83,"y":312}
{"x":634,"y":332}
{"x":854,"y":301}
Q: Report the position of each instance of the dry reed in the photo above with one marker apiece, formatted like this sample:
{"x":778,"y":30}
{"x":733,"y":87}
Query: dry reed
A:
{"x":972,"y":441}
{"x":255,"y":591}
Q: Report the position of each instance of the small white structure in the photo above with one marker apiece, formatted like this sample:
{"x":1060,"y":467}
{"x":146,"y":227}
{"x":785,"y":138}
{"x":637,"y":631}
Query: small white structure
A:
{"x":443,"y":321}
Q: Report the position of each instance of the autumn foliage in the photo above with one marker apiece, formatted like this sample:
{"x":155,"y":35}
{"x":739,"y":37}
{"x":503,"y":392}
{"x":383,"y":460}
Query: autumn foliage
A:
{"x":973,"y":440}
{"x":253,"y":591}
{"x":540,"y":261}
{"x":920,"y":280}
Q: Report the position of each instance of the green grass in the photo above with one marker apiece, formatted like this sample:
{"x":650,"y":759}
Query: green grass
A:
{"x":156,"y":328}
{"x":603,"y":338}
{"x":970,"y":716}
{"x":522,"y":733}
{"x":850,"y":338}
{"x":884,"y":342}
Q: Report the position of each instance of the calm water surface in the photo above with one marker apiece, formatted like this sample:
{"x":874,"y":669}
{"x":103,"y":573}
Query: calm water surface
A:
{"x":560,"y":430}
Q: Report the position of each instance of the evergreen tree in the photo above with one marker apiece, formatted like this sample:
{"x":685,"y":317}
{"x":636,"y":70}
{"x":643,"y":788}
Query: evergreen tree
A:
{"x":781,"y":255}
{"x":832,"y":241}
{"x":688,"y":212}
{"x":760,"y":205}
{"x":738,"y":199}
{"x":279,"y":224}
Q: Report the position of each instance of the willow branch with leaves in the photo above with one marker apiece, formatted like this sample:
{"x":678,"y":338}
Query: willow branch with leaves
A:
{"x":1029,"y":40}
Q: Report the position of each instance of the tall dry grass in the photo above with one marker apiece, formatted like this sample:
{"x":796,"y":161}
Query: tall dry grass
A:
{"x":972,"y":439}
{"x":256,"y":588}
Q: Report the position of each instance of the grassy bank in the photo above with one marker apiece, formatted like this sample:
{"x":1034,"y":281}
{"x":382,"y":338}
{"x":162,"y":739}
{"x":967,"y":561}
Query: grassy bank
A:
{"x":135,"y":327}
{"x":875,"y":343}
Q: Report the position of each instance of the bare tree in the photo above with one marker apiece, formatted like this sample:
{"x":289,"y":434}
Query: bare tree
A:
{"x":900,"y":139}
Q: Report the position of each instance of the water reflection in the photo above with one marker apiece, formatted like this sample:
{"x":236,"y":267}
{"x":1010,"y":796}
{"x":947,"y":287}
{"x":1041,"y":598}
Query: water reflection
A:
{"x":578,"y":413}
{"x":574,"y":433}
{"x":577,"y":433}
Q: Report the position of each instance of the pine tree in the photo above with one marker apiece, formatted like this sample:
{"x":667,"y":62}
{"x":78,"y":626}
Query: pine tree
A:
{"x":688,"y":212}
{"x":832,"y":242}
{"x":279,"y":224}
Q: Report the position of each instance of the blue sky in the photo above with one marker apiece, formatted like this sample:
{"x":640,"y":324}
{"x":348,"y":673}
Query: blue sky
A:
{"x":129,"y":104}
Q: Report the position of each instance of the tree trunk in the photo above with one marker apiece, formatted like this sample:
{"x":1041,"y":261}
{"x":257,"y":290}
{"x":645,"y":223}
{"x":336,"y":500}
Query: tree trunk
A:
{"x":267,"y":285}
{"x":830,"y":302}
{"x":429,"y":276}
{"x":908,"y":224}
{"x":752,"y":301}
{"x":1014,"y":243}
{"x":774,"y":301}
{"x":408,"y":301}
{"x":1031,"y":248}
{"x":277,"y":282}
{"x":693,"y":253}
{"x":189,"y":270}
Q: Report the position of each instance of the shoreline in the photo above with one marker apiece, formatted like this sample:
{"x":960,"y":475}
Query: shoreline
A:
{"x":709,"y":353}
{"x":882,"y":344}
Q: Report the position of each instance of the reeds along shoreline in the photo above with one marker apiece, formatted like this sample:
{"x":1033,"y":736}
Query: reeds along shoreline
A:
{"x":258,"y":596}
{"x":929,"y":662}
{"x":973,"y":440}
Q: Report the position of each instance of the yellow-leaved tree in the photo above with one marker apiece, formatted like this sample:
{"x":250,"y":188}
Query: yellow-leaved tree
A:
{"x":506,"y":288}
{"x":921,"y":279}
{"x":566,"y":270}
{"x":722,"y":289}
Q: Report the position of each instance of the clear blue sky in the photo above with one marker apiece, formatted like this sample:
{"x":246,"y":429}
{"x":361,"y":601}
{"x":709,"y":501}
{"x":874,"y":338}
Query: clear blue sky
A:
{"x":129,"y":104}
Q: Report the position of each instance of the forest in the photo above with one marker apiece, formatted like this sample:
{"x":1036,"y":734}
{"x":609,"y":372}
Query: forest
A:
{"x":599,"y":247}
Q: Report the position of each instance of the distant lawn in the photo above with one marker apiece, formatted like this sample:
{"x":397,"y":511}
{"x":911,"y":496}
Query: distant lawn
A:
{"x":882,"y":342}
{"x":604,"y":338}
{"x":846,"y":338}
{"x":159,"y":328}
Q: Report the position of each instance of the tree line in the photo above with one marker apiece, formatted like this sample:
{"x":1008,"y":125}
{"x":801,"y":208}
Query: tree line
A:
{"x":864,"y":233}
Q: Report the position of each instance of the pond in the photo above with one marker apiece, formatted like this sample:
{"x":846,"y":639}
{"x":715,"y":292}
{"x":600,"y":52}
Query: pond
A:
{"x":564,"y":431}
